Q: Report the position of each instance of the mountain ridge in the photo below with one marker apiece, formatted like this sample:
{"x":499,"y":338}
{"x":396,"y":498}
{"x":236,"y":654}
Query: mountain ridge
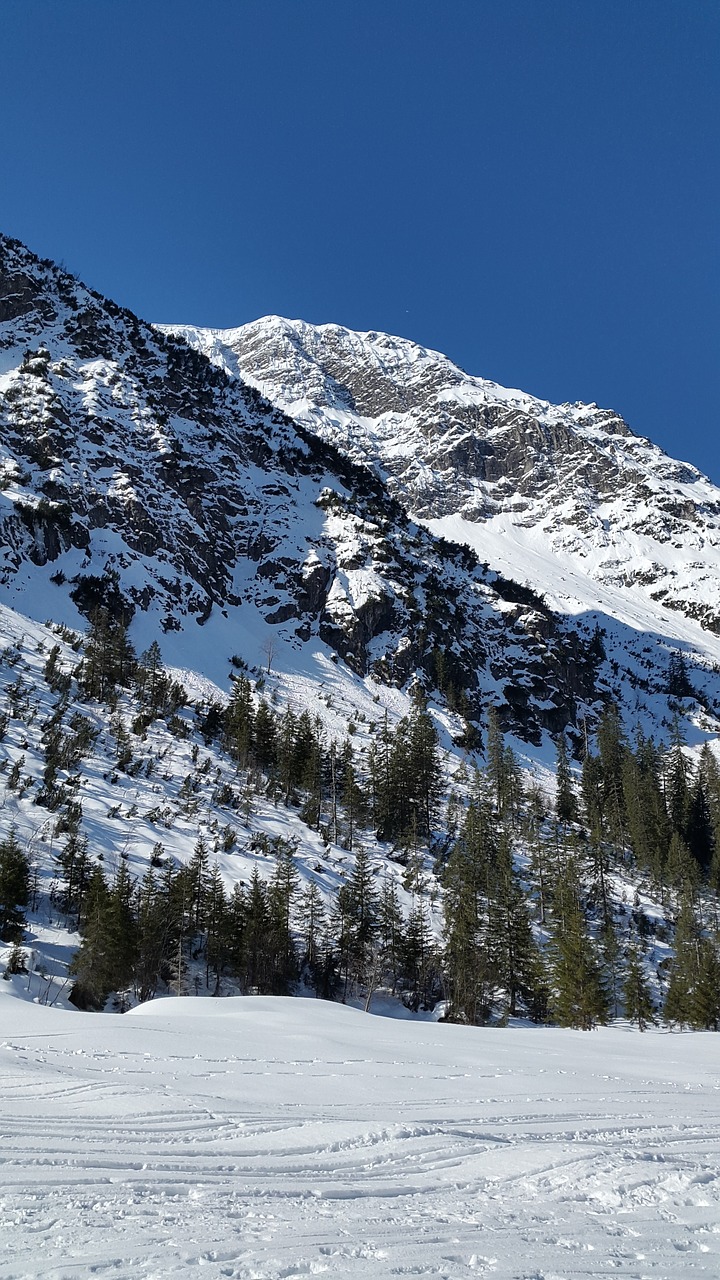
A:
{"x":452,"y":445}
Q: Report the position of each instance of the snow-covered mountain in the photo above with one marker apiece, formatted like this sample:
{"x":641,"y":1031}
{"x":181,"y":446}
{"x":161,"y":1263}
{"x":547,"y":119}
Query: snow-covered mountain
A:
{"x":315,"y":492}
{"x":360,"y":547}
{"x":138,"y":474}
{"x":475,"y":460}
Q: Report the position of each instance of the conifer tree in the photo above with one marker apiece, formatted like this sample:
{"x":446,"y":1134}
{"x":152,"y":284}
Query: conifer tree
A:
{"x":566,"y":806}
{"x":639,"y":1007}
{"x":423,"y":759}
{"x":281,"y":956}
{"x":109,"y":658}
{"x":611,"y":957}
{"x":198,"y":878}
{"x":216,"y":922}
{"x":706,"y":996}
{"x":255,"y":965}
{"x":312,"y":920}
{"x":579,"y":998}
{"x":265,"y":737}
{"x":236,"y":917}
{"x":75,"y":866}
{"x":699,"y":831}
{"x":14,"y":887}
{"x":511,"y":946}
{"x":611,"y":747}
{"x":647,"y":819}
{"x":592,"y":795}
{"x":90,"y":965}
{"x":390,"y":931}
{"x":494,"y":756}
{"x":677,"y":784}
{"x":121,"y":941}
{"x":357,"y":904}
{"x":151,"y":682}
{"x":681,"y":869}
{"x":684,"y":966}
{"x":467,"y":964}
{"x":153,"y":935}
{"x":419,"y":960}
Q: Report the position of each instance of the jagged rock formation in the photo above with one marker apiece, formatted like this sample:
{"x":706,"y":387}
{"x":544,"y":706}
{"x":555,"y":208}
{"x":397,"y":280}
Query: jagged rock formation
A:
{"x":474,"y":460}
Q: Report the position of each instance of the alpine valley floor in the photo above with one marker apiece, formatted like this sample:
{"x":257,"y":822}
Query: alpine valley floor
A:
{"x":266,"y":1138}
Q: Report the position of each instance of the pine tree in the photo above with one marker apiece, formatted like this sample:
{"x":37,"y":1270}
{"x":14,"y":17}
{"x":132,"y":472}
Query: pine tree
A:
{"x":677,"y":785}
{"x":495,"y":758}
{"x":612,"y":747}
{"x":425,"y":772}
{"x":699,"y":829}
{"x":706,"y":995}
{"x":390,"y":931}
{"x":683,"y":970}
{"x":357,"y":904}
{"x":281,"y":954}
{"x":198,"y":871}
{"x":647,"y":818}
{"x":312,"y":920}
{"x":579,"y":998}
{"x":681,"y":869}
{"x":75,"y":867}
{"x":566,"y":806}
{"x":255,"y":959}
{"x":153,"y":936}
{"x":467,"y":964}
{"x":236,"y":918}
{"x":91,"y":963}
{"x":216,"y":920}
{"x":109,"y":657}
{"x":265,"y":737}
{"x":14,"y":887}
{"x":122,"y":930}
{"x":151,"y":682}
{"x":639,"y":1007}
{"x":419,"y":960}
{"x":513,"y":953}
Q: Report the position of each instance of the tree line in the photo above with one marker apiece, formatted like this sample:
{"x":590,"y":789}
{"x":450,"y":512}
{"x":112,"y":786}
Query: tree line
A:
{"x":528,"y":923}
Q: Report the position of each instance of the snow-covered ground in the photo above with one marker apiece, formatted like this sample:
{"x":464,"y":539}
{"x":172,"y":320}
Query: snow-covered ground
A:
{"x":262,"y":1138}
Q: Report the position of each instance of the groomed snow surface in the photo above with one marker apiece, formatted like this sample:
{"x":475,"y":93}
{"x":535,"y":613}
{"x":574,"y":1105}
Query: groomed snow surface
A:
{"x":266,"y":1138}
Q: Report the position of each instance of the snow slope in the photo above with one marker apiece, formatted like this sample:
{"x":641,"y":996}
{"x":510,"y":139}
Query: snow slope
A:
{"x":262,"y":1139}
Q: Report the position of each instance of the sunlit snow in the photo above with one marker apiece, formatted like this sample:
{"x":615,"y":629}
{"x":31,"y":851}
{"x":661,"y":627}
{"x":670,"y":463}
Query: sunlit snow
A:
{"x":285,"y":1138}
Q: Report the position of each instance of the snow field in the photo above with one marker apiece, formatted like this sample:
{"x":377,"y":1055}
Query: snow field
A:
{"x":262,"y":1138}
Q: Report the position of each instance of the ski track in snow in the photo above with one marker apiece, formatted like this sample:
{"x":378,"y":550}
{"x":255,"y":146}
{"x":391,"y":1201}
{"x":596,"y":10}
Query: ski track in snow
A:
{"x":264,"y":1139}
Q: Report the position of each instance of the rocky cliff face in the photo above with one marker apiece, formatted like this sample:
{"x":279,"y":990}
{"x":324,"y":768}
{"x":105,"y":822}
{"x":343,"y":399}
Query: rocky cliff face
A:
{"x":140,"y":475}
{"x":473,"y":459}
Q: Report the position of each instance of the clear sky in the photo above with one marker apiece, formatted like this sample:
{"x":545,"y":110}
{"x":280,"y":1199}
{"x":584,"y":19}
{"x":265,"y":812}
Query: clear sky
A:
{"x":531,"y":186}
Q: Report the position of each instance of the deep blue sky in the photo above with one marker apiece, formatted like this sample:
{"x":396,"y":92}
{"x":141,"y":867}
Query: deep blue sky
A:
{"x":531,"y":186}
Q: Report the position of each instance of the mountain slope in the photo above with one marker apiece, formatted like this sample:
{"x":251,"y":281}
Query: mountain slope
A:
{"x":564,"y":499}
{"x":602,"y":499}
{"x":139,"y":475}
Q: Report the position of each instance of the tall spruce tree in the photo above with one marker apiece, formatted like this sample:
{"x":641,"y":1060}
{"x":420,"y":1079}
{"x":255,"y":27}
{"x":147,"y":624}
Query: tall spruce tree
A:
{"x":566,"y":806}
{"x":578,"y":998}
{"x":469,"y":976}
